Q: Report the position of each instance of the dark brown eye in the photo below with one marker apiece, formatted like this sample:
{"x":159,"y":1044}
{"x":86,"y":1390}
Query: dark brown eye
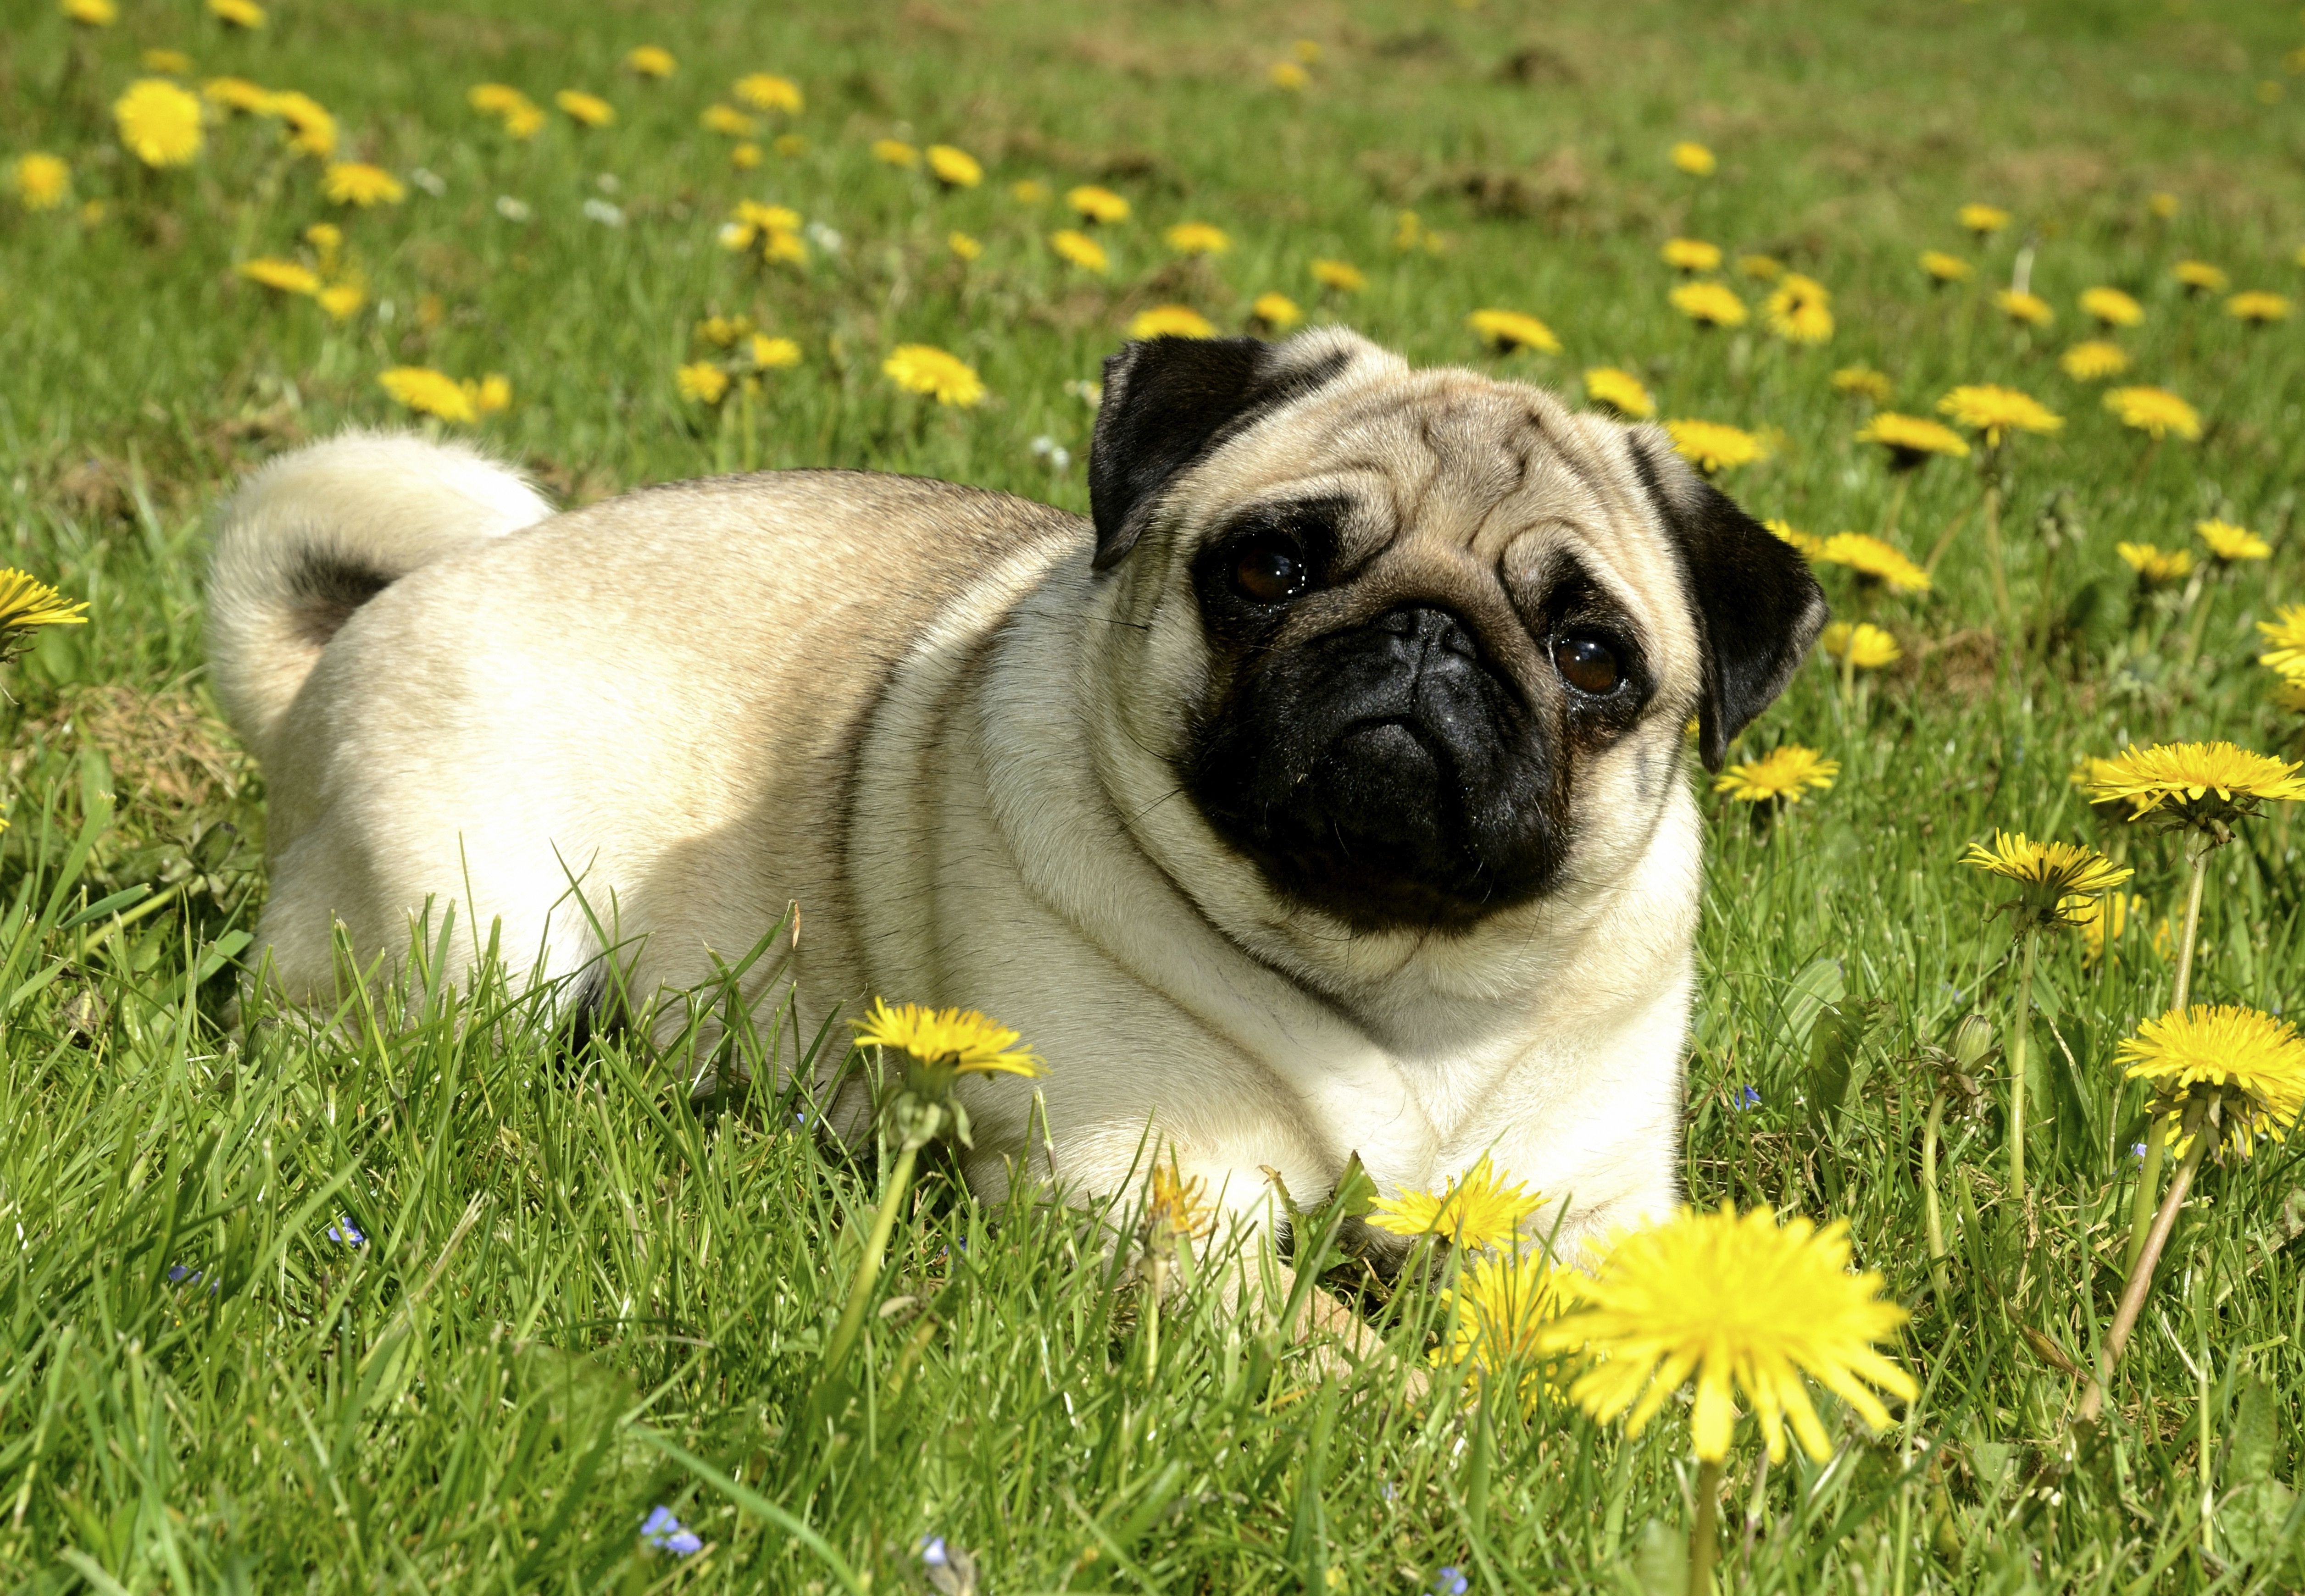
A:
{"x":1588,"y":665}
{"x":1268,"y":570}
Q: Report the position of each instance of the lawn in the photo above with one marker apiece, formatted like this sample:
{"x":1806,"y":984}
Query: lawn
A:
{"x":422,"y":1300}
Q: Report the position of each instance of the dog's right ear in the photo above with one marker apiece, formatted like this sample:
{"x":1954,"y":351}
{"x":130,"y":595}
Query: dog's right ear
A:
{"x":1168,"y":402}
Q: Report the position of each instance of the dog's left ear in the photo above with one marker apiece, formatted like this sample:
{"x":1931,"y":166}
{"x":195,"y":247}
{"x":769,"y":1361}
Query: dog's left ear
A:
{"x":1168,"y":402}
{"x":1758,"y":607}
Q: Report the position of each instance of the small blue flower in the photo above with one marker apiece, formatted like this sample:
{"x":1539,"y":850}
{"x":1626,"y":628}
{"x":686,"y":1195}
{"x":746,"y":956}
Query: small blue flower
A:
{"x":344,"y":1230}
{"x":662,"y":1531}
{"x":932,"y":1551}
{"x":1450,"y":1582}
{"x":1748,"y":1097}
{"x":178,"y":1274}
{"x":2136,"y":1150}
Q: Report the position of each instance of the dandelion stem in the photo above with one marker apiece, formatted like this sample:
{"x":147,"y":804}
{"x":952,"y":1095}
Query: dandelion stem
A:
{"x":1944,"y":542}
{"x":2157,"y":1139}
{"x":868,"y":1267}
{"x":2018,"y":1049}
{"x":1704,"y":1531}
{"x":1933,"y":1215}
{"x":1993,"y":560}
{"x":2141,"y":1275}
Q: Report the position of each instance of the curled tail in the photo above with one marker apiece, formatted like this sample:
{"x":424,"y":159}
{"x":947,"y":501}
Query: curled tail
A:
{"x":315,"y":534}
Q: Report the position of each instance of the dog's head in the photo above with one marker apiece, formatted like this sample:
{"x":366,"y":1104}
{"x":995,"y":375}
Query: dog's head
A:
{"x":1416,"y":644}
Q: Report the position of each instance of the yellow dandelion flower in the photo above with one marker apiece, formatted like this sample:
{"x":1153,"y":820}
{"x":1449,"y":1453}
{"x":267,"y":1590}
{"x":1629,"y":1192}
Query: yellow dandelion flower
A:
{"x":1811,"y":547}
{"x":2193,"y":783}
{"x":430,"y":392}
{"x":1407,"y":230}
{"x":1943,"y":267}
{"x":2250,"y":1064}
{"x":1746,"y":1305}
{"x":493,"y":395}
{"x":1172,"y":321}
{"x":895,"y":152}
{"x":1341,"y":276}
{"x":1691,"y":255}
{"x":492,"y":99}
{"x":2102,"y":921}
{"x":650,"y":60}
{"x":356,"y":183}
{"x":1497,"y":1309}
{"x":1693,"y":158}
{"x":789,"y":145}
{"x":2155,"y":412}
{"x":2050,"y":877}
{"x":312,"y":129}
{"x":1785,"y":775}
{"x":1176,"y":1210}
{"x":288,"y":276}
{"x":964,"y":245}
{"x":1984,"y":220}
{"x":588,"y":110}
{"x":2259,"y":307}
{"x":1910,"y":440}
{"x":2031,"y":308}
{"x":729,"y":121}
{"x":2286,"y":634}
{"x":1863,"y":381}
{"x":342,"y":301}
{"x":1287,"y":75}
{"x":1799,"y":309}
{"x":2156,"y":567}
{"x":766,"y":91}
{"x":923,"y":369}
{"x":1096,"y":204}
{"x":702,"y":382}
{"x":766,"y":218}
{"x":745,"y":156}
{"x":963,"y":1041}
{"x":723,"y":331}
{"x":954,"y":167}
{"x":1508,"y":330}
{"x":159,"y":122}
{"x":27,"y":602}
{"x":326,"y":237}
{"x":1277,"y":311}
{"x":1761,"y":268}
{"x":1029,"y":191}
{"x":168,"y":63}
{"x":2198,"y":277}
{"x":2110,"y":306}
{"x":1621,"y":391}
{"x":237,"y":13}
{"x":238,"y":95}
{"x":1864,"y":645}
{"x":2230,"y":543}
{"x":1709,"y":304}
{"x":781,"y":244}
{"x":91,"y":13}
{"x":41,"y":181}
{"x":1081,"y":250}
{"x":772,"y":354}
{"x":2093,"y":360}
{"x":1480,"y":1209}
{"x":1713,"y":446}
{"x":1196,"y":238}
{"x":2161,"y":204}
{"x":1874,"y":561}
{"x":1994,"y":411}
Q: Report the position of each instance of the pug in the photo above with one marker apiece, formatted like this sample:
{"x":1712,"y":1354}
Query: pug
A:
{"x":1326,"y":793}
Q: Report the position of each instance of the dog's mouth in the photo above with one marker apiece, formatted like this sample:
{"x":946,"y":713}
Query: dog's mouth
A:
{"x":1384,"y":775}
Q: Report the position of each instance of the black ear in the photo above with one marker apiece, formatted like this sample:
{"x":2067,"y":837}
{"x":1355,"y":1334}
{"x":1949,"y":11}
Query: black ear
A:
{"x":1756,"y":605}
{"x":1168,"y":401}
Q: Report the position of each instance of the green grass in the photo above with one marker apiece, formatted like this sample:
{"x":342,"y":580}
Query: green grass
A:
{"x":578,"y":1300}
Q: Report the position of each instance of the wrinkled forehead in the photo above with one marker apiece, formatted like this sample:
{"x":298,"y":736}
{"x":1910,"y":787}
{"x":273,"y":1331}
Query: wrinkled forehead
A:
{"x":1448,"y":461}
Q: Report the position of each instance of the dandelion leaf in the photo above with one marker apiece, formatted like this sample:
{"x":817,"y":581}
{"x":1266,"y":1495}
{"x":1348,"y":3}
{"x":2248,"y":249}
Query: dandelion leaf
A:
{"x":1819,"y":984}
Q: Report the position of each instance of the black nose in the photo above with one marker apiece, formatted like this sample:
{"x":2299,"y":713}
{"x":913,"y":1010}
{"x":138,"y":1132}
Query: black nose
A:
{"x":1386,"y":772}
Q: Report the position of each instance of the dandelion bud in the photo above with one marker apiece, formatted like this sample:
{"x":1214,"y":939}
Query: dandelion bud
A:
{"x":1972,"y":1040}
